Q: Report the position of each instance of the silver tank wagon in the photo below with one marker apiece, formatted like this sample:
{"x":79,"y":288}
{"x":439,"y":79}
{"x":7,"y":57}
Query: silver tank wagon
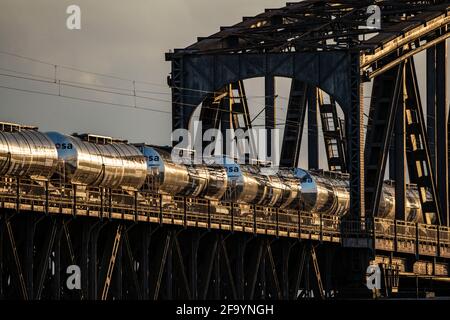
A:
{"x":27,"y":153}
{"x":172,"y":178}
{"x":324,"y":194}
{"x":164,"y":176}
{"x":330,"y":193}
{"x":211,"y":181}
{"x":112,"y":165}
{"x":413,"y":209}
{"x":252,"y":185}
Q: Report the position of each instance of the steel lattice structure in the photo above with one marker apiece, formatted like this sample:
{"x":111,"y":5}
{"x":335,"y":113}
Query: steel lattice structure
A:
{"x":326,"y":45}
{"x":127,"y":250}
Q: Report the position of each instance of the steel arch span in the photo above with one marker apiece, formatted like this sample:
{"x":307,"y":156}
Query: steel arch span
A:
{"x":331,"y":45}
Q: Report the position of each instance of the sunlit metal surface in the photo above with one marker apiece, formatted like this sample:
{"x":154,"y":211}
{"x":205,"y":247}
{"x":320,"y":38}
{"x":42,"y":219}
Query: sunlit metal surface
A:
{"x":251,"y":185}
{"x":164,"y":176}
{"x":413,"y":210}
{"x":27,"y":153}
{"x":324,"y":194}
{"x":216,"y":181}
{"x":168,"y":177}
{"x":327,"y":193}
{"x":292,"y":196}
{"x":246,"y":185}
{"x":115,"y":165}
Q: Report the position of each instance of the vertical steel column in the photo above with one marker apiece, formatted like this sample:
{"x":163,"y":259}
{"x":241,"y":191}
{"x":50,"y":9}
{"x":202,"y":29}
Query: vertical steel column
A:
{"x":285,"y":254}
{"x":437,"y":128}
{"x":243,"y":103}
{"x":398,"y":158}
{"x":240,"y":275}
{"x":45,"y":256}
{"x":355,"y":134}
{"x":210,"y":113}
{"x":84,"y":265}
{"x":93,"y":265}
{"x":328,"y":271}
{"x":431,"y":104}
{"x":313,"y":130}
{"x":262,"y":270}
{"x":307,"y":289}
{"x":2,"y":254}
{"x":56,"y":283}
{"x":384,"y":104}
{"x":397,"y":164}
{"x":295,"y":120}
{"x":226,"y":117}
{"x":217,"y":274}
{"x":144,"y":261}
{"x":441,"y":124}
{"x":169,"y":268}
{"x":179,"y":118}
{"x":29,"y":255}
{"x":194,"y":265}
{"x":270,"y":114}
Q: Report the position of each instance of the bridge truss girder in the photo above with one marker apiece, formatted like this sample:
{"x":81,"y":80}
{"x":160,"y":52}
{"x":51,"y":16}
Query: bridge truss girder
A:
{"x":126,"y":260}
{"x":279,"y":43}
{"x":148,"y":261}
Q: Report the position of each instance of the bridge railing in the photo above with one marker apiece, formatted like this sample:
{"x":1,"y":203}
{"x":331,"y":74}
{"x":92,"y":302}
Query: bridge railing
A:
{"x":356,"y":228}
{"x":56,"y":197}
{"x":384,"y":228}
{"x":406,"y":231}
{"x":444,"y":241}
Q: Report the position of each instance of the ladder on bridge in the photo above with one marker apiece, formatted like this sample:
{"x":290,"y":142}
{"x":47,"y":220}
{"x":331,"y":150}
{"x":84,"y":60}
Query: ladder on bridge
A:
{"x":333,"y":135}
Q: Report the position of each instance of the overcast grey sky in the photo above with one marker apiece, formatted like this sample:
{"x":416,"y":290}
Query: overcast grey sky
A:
{"x":127,"y":39}
{"x":123,"y":38}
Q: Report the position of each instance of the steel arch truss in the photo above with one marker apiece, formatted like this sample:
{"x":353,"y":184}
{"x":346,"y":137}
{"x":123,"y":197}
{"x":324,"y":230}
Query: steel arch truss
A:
{"x":325,"y":44}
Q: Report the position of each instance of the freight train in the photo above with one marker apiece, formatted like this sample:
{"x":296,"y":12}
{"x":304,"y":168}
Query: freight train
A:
{"x":102,"y":162}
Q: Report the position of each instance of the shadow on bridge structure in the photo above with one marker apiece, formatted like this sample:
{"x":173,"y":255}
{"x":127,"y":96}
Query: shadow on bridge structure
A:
{"x":127,"y":250}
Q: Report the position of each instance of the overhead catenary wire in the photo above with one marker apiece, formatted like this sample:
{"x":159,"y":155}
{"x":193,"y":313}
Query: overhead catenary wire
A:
{"x":105,"y":75}
{"x":60,"y":84}
{"x":84,"y":99}
{"x":131,"y":89}
{"x":132,"y":92}
{"x":71,"y":84}
{"x":132,"y":82}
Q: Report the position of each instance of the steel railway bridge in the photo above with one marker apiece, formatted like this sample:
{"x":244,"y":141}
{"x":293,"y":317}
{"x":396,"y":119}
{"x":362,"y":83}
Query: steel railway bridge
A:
{"x":128,"y":246}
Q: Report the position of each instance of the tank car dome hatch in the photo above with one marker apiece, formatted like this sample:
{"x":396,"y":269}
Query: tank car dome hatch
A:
{"x":27,"y":153}
{"x":113,"y":165}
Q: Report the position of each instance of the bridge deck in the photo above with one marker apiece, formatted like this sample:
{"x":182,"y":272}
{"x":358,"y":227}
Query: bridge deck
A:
{"x":389,"y":235}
